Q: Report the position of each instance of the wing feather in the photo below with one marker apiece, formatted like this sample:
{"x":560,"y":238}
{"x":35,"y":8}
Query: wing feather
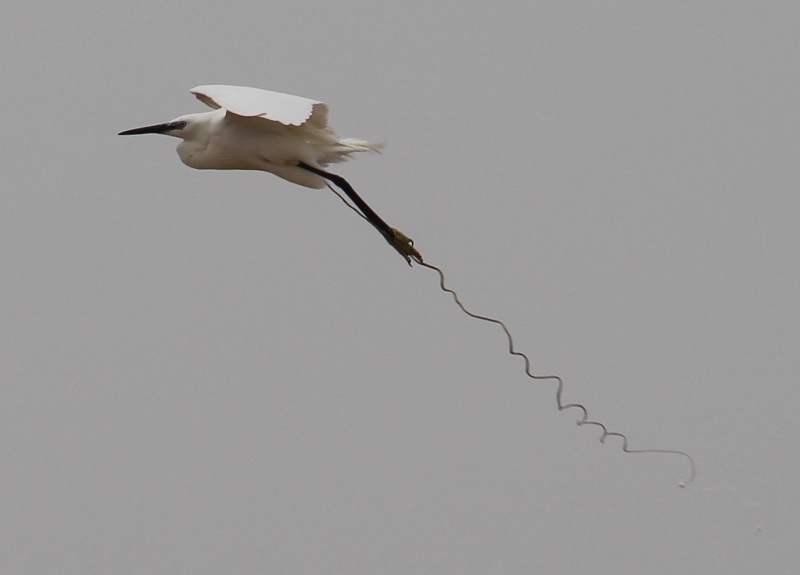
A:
{"x":251,"y":102}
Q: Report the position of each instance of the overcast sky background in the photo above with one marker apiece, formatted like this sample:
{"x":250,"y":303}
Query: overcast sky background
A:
{"x":219,"y":372}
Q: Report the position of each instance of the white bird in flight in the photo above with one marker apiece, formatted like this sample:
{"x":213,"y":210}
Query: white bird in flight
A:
{"x":289,"y":136}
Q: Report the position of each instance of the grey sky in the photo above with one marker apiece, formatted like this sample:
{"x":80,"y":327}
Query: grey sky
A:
{"x":218,"y":372}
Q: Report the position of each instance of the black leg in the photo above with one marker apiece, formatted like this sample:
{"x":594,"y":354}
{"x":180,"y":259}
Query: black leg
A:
{"x":397,"y":239}
{"x":345,"y":186}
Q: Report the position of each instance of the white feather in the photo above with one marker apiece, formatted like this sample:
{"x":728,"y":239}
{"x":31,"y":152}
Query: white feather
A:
{"x":250,"y":102}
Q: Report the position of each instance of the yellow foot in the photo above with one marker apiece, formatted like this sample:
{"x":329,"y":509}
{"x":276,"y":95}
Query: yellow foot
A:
{"x":404,"y":245}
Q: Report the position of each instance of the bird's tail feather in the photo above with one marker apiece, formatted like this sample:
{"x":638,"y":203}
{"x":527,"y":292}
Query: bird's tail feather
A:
{"x":356,"y":145}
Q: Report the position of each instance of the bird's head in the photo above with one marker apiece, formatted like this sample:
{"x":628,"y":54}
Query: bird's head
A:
{"x":182,"y":127}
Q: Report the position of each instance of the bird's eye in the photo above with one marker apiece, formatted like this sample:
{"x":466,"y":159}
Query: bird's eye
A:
{"x":181,"y":124}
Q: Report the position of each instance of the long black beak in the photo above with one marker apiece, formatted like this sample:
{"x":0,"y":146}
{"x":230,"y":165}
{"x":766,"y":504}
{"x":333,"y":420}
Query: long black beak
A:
{"x":155,"y":129}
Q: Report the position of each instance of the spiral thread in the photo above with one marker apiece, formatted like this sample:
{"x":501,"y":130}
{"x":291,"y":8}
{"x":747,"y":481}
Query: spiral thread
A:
{"x":584,"y":419}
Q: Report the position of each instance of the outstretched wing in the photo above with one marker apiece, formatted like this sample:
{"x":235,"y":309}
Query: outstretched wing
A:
{"x":253,"y":102}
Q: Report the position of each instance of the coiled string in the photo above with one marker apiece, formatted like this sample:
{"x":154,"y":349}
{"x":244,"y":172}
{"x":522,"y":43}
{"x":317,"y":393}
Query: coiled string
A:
{"x":584,"y":420}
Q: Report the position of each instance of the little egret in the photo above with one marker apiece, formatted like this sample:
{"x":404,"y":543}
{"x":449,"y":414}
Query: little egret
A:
{"x":289,"y":136}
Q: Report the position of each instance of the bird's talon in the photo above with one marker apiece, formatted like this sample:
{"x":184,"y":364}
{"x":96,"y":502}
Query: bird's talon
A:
{"x":404,"y":245}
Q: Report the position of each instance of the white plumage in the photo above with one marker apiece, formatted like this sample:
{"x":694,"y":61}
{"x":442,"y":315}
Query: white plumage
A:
{"x":255,"y":129}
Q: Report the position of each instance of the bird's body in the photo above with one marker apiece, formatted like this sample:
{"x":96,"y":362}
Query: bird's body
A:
{"x":254,"y":129}
{"x":224,"y":141}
